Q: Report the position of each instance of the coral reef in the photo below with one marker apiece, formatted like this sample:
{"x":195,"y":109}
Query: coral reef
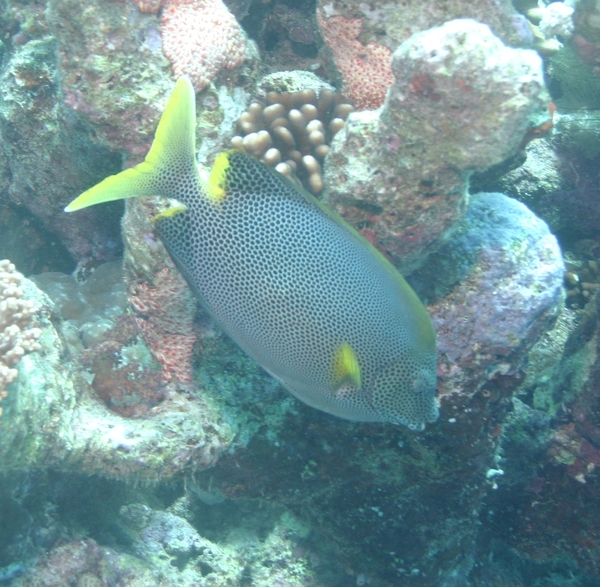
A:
{"x":170,"y":546}
{"x":78,"y":561}
{"x":116,"y":76}
{"x":349,"y":497}
{"x":461,"y":102}
{"x":17,"y":336}
{"x":249,"y":486}
{"x":163,"y":305}
{"x":548,"y":508}
{"x":191,"y":559}
{"x":113,"y":70}
{"x":39,"y":134}
{"x":164,"y":314}
{"x":76,"y":419}
{"x":510,"y":271}
{"x":67,"y":426}
{"x":122,"y":374}
{"x":383,"y":23}
{"x":558,"y":177}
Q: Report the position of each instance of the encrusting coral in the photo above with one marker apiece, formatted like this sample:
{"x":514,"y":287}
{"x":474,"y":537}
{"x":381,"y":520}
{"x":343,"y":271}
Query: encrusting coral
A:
{"x":17,"y":337}
{"x":164,"y":313}
{"x":163,"y":306}
{"x":366,"y":69}
{"x":201,"y":38}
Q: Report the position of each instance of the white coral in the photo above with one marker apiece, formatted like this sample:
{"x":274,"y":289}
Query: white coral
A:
{"x":16,"y":336}
{"x":557,"y":19}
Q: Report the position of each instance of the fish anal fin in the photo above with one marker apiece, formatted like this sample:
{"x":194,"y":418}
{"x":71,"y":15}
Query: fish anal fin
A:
{"x":178,"y":208}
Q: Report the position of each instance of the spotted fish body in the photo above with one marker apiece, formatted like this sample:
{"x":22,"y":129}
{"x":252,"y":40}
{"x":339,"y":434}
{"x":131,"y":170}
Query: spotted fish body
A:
{"x":300,"y":291}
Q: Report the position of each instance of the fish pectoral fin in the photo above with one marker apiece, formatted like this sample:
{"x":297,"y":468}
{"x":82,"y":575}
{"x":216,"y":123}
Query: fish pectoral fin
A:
{"x":173,"y":153}
{"x":345,"y":370}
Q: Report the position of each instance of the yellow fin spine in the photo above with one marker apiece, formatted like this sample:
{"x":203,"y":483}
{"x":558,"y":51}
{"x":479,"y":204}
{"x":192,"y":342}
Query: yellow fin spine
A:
{"x":216,"y":187}
{"x":170,"y":212}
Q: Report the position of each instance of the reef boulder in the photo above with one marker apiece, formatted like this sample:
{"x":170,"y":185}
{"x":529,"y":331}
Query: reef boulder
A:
{"x":461,"y":101}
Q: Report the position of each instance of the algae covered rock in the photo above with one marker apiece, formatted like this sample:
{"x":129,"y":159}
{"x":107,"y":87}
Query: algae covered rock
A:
{"x":496,"y":285}
{"x":49,"y":155}
{"x":52,"y":418}
{"x":462,"y":101}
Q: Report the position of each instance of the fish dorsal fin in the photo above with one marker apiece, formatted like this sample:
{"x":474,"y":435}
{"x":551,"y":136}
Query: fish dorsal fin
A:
{"x":236,"y":171}
{"x":171,"y":157}
{"x":345,"y":368}
{"x":216,"y":187}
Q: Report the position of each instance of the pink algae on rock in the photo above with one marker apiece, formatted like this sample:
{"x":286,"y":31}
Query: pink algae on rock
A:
{"x":201,"y":38}
{"x":163,"y":306}
{"x":164,"y":313}
{"x":366,"y":69}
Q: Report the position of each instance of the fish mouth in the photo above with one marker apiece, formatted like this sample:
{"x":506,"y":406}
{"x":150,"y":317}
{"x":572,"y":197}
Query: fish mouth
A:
{"x":403,"y":392}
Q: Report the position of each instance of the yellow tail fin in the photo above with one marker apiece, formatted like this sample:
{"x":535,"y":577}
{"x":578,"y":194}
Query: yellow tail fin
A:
{"x":173,"y":154}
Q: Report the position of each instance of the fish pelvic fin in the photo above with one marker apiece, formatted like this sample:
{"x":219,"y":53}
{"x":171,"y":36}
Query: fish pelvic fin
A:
{"x":171,"y":156}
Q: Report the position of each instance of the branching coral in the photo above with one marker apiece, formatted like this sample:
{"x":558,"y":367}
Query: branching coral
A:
{"x":17,"y":337}
{"x":292,"y":132}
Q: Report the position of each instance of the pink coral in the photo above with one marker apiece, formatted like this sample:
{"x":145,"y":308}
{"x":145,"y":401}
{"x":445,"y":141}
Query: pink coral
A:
{"x":17,"y":337}
{"x":201,"y":38}
{"x":366,"y":69}
{"x":164,"y":313}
